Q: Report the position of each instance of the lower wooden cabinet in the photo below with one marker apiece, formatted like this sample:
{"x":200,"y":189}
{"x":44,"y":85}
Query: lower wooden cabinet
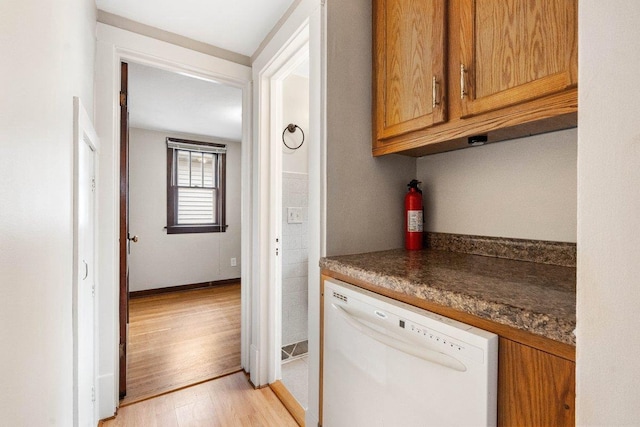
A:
{"x":535,"y":388}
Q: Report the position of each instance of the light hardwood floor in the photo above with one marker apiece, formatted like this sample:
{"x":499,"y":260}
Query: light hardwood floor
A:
{"x":229,"y":401}
{"x":182,"y":338}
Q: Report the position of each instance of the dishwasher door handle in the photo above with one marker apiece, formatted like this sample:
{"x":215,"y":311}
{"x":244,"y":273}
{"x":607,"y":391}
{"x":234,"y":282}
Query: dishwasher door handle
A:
{"x":426,"y":354}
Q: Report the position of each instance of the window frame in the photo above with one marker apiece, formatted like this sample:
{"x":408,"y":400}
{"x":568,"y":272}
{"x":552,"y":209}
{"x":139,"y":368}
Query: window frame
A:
{"x":172,"y":191}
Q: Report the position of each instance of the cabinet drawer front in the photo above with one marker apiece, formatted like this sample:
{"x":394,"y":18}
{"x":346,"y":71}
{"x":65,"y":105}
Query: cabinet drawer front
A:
{"x":514,"y":51}
{"x":409,"y":65}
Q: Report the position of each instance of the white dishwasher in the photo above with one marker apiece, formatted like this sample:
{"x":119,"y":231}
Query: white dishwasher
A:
{"x":386,"y":363}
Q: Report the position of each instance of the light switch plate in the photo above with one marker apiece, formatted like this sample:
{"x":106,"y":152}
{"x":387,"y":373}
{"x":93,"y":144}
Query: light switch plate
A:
{"x":294,"y":215}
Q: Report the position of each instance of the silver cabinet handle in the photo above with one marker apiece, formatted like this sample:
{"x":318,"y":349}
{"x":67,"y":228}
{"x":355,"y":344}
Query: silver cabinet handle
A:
{"x":86,"y":270}
{"x":463,"y":88}
{"x":434,"y":92}
{"x":134,"y":239}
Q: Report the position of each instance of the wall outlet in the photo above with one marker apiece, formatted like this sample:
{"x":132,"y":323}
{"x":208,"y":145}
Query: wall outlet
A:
{"x":234,"y":262}
{"x":294,"y":215}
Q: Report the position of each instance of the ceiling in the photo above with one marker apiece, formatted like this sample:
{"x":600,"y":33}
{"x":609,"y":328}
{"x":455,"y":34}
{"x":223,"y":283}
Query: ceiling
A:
{"x":236,"y":25}
{"x":167,"y":101}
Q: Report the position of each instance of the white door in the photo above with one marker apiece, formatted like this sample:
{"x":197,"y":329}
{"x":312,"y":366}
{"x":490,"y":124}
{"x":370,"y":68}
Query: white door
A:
{"x":86,"y":286}
{"x":85,"y":141}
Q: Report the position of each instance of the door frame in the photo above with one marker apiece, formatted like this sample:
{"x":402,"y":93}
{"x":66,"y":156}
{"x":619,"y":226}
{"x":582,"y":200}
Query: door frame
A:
{"x":296,"y":52}
{"x":113,"y":47}
{"x":264,"y":355}
{"x":127,"y":56}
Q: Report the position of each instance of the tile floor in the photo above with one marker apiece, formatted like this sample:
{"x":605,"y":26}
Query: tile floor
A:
{"x":295,"y":350}
{"x":295,"y":373}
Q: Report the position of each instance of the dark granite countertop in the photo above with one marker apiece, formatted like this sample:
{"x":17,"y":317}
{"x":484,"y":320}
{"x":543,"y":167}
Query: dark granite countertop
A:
{"x":535,"y":297}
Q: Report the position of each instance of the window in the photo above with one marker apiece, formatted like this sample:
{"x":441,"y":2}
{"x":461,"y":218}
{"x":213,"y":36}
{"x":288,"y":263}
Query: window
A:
{"x":195,"y":186}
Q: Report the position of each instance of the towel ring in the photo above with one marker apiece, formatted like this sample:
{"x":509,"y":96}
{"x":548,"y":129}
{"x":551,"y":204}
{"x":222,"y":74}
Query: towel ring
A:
{"x":292,"y":128}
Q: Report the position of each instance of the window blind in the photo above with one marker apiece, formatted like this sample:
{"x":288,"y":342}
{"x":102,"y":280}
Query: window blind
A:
{"x":196,"y":206}
{"x":179,"y":145}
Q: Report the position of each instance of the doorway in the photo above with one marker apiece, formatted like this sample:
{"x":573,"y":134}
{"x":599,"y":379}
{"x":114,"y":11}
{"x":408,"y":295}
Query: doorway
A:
{"x":114,"y":46}
{"x":294,"y":283}
{"x":292,"y":240}
{"x":170,"y":115}
{"x":305,"y":34}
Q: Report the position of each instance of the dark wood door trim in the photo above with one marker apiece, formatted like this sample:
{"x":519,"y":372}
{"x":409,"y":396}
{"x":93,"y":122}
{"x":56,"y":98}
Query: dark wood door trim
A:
{"x":124,"y":227}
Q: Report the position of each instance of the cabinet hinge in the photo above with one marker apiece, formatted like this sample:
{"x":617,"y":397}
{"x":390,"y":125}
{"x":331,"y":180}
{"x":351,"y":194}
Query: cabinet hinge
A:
{"x":93,"y":394}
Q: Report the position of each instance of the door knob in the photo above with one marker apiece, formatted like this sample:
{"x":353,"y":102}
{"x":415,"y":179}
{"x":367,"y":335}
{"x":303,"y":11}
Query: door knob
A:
{"x":134,"y":239}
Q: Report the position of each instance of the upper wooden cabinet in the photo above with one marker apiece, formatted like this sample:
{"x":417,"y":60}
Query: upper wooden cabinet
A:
{"x":410,"y":67}
{"x":514,"y":51}
{"x":444,"y":71}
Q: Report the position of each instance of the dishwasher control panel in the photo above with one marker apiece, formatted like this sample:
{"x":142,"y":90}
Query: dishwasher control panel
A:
{"x":440,"y":340}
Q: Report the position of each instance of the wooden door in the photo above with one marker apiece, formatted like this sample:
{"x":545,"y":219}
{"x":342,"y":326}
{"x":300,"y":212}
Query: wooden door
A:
{"x":124,"y":227}
{"x":409,"y":74}
{"x":512,"y":51}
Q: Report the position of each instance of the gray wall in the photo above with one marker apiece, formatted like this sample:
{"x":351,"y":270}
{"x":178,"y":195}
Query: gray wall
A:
{"x":364,"y":194}
{"x":525,"y":188}
{"x":162,"y":260}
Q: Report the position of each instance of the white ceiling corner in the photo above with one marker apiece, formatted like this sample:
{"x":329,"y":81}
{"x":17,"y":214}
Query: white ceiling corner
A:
{"x":236,"y":25}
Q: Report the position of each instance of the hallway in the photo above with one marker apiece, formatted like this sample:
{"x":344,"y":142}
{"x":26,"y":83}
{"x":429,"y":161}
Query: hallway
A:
{"x":228,"y":401}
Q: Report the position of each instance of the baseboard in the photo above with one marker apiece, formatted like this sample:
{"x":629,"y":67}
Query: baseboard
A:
{"x":289,"y":402}
{"x":107,"y":405}
{"x":254,"y":367}
{"x":202,"y":285}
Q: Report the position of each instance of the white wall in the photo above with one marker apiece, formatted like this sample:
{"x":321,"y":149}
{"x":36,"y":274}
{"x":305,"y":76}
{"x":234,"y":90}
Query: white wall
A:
{"x":608,"y":372}
{"x":47,"y":50}
{"x":295,"y":259}
{"x":365,"y":195}
{"x":295,"y":109}
{"x":159,"y":259}
{"x":524,"y":188}
{"x":295,"y":193}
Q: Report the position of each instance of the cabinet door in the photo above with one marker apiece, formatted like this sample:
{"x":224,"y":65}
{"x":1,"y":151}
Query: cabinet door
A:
{"x":409,"y":63}
{"x":514,"y":51}
{"x":534,"y":388}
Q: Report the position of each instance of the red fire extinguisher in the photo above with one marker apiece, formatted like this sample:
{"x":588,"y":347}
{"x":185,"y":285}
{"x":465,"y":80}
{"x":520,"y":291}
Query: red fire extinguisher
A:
{"x":413,"y":217}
